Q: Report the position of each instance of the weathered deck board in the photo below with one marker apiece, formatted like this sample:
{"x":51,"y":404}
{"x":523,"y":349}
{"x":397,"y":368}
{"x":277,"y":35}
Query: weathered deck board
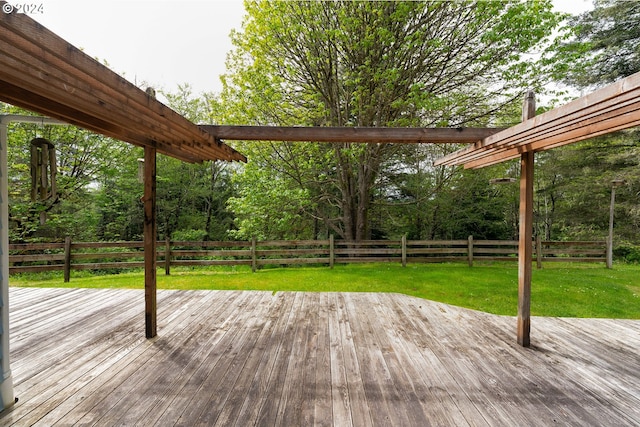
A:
{"x":225,"y":358}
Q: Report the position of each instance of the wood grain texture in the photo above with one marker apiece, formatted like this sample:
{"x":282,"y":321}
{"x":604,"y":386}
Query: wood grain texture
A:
{"x":233,"y":358}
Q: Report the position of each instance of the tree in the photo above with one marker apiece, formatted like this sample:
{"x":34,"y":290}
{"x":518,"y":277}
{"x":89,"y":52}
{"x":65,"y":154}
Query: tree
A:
{"x":361,"y":63}
{"x":605,"y":42}
{"x":83,"y":158}
{"x":574,"y":184}
{"x":192,"y":198}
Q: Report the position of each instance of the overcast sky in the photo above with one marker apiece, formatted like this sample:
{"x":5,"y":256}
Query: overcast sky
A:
{"x":162,"y":43}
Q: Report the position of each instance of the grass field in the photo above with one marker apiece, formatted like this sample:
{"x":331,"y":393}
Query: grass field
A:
{"x":563,"y":290}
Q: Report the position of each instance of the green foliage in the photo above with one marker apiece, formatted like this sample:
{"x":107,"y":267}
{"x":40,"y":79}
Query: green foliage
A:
{"x":99,"y":189}
{"x":83,"y":159}
{"x":575,"y":181}
{"x":193,"y":197}
{"x":268,"y":206}
{"x":605,"y":42}
{"x":628,"y":253}
{"x":189,"y":235}
{"x":360,"y":63}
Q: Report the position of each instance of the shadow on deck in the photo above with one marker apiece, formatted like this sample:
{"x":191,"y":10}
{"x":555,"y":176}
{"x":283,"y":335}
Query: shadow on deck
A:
{"x":79,"y":356}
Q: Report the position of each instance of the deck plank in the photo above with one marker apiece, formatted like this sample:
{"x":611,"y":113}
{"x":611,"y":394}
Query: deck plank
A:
{"x":350,"y":390}
{"x":322,"y":410}
{"x":79,"y":356}
{"x":183,"y":359}
{"x":267,"y":350}
{"x":137,"y":369}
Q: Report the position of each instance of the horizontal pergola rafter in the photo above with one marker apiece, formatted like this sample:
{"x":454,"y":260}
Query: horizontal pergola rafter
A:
{"x":43,"y":73}
{"x":612,"y":108}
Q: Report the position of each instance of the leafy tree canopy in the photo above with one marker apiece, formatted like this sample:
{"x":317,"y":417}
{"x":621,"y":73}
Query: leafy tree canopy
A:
{"x":601,"y":45}
{"x":373,"y":63}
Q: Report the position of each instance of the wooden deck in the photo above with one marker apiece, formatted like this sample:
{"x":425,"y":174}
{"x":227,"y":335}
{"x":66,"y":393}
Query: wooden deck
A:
{"x":79,"y":357}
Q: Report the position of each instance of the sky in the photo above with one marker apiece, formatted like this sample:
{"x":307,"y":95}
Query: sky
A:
{"x":162,"y":43}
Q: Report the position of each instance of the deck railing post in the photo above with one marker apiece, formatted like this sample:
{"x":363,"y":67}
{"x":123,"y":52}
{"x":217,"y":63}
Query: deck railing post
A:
{"x":6,"y":379}
{"x":67,"y":259}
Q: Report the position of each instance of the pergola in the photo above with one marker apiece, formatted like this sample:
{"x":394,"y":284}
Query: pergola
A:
{"x":43,"y":73}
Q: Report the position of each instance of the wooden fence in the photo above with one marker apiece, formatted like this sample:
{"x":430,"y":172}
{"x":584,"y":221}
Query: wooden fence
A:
{"x":67,"y":256}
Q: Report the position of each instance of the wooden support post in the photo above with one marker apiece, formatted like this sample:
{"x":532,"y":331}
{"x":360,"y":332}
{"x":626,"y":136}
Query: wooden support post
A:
{"x":67,"y":259}
{"x":332,"y":253}
{"x":470,"y":251}
{"x":404,"y":250}
{"x":525,"y":244}
{"x":149,"y":198}
{"x":35,"y":173}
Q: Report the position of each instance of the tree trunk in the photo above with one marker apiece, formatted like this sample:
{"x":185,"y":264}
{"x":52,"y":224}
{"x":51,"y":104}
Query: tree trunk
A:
{"x":357,"y":175}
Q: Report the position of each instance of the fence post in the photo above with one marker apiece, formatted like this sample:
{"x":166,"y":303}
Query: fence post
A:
{"x":67,"y":259}
{"x":332,"y":254}
{"x":404,"y":250}
{"x":254,"y":263}
{"x":470,"y":251}
{"x":538,"y":252}
{"x":167,"y":256}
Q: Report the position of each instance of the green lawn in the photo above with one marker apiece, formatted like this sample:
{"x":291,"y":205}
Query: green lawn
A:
{"x":566,"y":290}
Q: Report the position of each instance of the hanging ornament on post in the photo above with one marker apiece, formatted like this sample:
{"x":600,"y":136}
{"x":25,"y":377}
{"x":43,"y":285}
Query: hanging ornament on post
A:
{"x":43,"y":172}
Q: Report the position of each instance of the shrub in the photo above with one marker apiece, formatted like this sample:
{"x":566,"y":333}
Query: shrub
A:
{"x":628,"y":253}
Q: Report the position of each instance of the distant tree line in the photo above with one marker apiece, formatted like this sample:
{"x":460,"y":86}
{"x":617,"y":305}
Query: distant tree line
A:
{"x":358,"y":63}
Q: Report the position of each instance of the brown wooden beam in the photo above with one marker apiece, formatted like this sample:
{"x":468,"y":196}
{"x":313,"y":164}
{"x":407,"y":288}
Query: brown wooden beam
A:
{"x":35,"y":102}
{"x":612,"y":108}
{"x":525,"y":247}
{"x":624,"y":115}
{"x":94,"y":105}
{"x":350,"y":134}
{"x":38,"y":62}
{"x":149,"y":199}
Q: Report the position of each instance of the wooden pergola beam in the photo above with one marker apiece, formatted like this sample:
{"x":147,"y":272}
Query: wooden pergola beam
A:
{"x":45,"y":74}
{"x":35,"y":102}
{"x":350,"y":134}
{"x":612,"y":108}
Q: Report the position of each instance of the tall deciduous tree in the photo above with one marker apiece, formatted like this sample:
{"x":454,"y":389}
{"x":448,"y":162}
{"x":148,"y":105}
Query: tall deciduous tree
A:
{"x":372,"y":63}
